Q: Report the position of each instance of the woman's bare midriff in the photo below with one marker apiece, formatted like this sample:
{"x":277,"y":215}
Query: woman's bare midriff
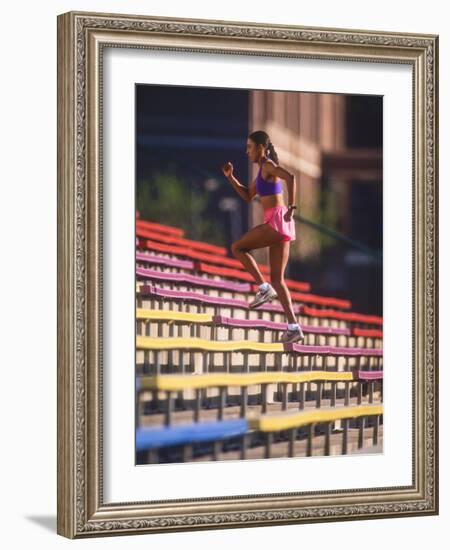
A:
{"x":269,"y":201}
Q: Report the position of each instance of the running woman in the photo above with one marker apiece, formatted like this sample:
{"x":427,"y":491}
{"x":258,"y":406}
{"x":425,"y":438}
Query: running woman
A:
{"x":277,"y":230}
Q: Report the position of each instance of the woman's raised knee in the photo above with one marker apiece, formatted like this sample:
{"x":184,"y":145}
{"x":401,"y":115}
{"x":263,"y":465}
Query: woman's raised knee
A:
{"x":237,"y":248}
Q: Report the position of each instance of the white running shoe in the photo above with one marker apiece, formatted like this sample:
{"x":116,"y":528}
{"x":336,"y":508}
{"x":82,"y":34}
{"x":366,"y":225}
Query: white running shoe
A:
{"x":263,"y":296}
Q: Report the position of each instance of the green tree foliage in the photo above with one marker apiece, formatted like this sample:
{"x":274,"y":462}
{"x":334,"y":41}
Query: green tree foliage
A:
{"x":168,"y":199}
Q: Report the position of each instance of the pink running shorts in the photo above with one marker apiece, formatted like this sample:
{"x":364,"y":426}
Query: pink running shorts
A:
{"x":275,"y":217}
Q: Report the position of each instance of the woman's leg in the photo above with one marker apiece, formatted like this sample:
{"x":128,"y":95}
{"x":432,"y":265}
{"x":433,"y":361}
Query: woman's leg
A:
{"x":279,"y":254}
{"x":258,"y":237}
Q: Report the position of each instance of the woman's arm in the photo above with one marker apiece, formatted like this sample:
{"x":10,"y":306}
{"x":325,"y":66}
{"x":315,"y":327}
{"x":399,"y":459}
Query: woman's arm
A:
{"x":241,"y":189}
{"x":227,"y":169}
{"x":287,"y":176}
{"x":252,"y":190}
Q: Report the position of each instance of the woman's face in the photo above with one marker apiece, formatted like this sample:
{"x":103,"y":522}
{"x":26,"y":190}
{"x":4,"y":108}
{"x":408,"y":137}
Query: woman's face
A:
{"x":253,"y":150}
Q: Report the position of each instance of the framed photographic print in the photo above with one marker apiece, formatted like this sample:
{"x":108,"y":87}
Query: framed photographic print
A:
{"x":247,"y":274}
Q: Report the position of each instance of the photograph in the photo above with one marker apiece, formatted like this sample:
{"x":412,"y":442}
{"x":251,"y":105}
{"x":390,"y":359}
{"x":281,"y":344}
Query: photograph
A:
{"x":247,"y":233}
{"x":259,"y":274}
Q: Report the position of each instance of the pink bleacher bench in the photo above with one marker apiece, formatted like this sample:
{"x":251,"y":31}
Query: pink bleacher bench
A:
{"x":153,"y":291}
{"x":334,"y":350}
{"x":196,"y":280}
{"x":144,"y":257}
{"x":368,"y":375}
{"x":222,"y":320}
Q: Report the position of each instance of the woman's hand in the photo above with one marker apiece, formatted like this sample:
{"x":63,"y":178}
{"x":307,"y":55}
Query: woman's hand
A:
{"x":288,"y":215}
{"x":227,"y":169}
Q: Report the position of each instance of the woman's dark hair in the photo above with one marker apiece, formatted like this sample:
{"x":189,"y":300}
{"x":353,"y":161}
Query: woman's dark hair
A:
{"x":262,"y":138}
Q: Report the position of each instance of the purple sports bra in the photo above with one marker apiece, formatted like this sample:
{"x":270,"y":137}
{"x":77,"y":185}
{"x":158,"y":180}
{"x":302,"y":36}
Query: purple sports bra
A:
{"x":264,"y":187}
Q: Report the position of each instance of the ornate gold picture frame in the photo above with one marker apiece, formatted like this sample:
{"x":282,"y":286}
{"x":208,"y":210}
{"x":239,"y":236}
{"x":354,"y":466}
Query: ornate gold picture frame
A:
{"x":82,"y":39}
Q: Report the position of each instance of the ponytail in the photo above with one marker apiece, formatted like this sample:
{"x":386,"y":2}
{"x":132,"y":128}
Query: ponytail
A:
{"x":272,"y":153}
